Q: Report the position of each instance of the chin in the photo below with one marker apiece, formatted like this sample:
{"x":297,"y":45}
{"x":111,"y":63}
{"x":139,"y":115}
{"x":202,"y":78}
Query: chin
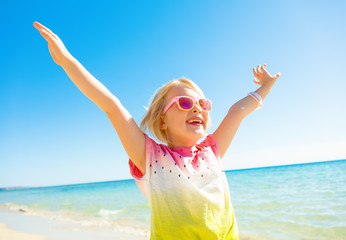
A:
{"x":200,"y":134}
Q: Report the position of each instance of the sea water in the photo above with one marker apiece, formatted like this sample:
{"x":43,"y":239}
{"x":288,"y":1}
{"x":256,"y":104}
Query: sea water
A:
{"x":305,"y":201}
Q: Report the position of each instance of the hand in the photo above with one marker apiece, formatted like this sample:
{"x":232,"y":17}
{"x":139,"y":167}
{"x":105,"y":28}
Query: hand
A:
{"x":263,"y":76}
{"x":56,"y":47}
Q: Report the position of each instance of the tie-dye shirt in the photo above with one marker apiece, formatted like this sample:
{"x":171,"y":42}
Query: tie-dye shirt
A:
{"x":187,"y":191}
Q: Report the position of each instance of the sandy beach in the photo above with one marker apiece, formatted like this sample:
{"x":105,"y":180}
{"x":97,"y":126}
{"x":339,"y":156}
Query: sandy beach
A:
{"x":19,"y":226}
{"x":9,"y":234}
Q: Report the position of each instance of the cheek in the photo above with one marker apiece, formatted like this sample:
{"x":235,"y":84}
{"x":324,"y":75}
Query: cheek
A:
{"x":207,"y":121}
{"x":176,"y":118}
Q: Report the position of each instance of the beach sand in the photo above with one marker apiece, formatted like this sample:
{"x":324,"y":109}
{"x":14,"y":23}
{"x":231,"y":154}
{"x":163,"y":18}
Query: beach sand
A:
{"x":18,"y":226}
{"x":9,"y":234}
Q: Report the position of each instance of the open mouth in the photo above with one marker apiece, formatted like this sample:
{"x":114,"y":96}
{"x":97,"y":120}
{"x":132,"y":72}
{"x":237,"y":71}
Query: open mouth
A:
{"x":195,"y":122}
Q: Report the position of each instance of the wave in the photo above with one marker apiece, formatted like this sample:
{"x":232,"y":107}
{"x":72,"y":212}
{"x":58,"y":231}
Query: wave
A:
{"x":79,"y":221}
{"x":106,"y":212}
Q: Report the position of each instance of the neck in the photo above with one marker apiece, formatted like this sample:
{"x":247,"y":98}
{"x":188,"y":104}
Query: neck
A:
{"x":173,"y":143}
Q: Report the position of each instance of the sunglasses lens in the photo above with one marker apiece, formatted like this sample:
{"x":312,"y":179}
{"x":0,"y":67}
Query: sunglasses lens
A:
{"x":185,"y":103}
{"x":205,"y":104}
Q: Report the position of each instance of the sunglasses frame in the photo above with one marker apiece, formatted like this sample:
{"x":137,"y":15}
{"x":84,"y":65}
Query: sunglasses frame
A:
{"x":194,"y":101}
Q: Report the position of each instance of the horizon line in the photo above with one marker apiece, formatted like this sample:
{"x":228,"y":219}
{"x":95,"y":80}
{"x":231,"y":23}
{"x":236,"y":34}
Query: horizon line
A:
{"x":131,"y":179}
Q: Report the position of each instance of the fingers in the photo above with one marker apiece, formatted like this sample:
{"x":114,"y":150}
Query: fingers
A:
{"x":46,"y":35}
{"x":258,"y":73}
{"x":258,"y":69}
{"x":263,"y":75}
{"x":277,"y":75}
{"x":39,"y":27}
{"x":255,"y":73}
{"x":263,"y":69}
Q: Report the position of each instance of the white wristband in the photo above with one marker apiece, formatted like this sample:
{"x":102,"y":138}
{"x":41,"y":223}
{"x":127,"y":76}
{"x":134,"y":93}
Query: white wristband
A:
{"x":257,"y":97}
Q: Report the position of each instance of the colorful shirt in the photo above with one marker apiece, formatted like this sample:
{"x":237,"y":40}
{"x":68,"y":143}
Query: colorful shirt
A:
{"x":187,"y":191}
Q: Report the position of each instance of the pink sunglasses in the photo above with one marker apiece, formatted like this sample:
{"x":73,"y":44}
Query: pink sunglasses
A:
{"x":186,"y":103}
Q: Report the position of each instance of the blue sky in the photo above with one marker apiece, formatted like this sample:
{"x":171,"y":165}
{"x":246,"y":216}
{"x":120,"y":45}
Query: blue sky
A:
{"x":51,"y":134}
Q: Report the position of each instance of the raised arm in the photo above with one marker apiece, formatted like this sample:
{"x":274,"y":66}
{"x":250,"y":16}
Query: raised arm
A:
{"x":129,"y":133}
{"x":225,"y":133}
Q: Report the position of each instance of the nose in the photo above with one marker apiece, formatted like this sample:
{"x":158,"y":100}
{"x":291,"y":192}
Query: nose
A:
{"x":196,"y":108}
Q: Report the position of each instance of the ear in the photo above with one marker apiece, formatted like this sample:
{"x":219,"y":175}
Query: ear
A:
{"x":163,"y":125}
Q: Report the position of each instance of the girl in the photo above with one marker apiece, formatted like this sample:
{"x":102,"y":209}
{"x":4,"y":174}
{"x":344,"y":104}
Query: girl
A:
{"x":184,"y":181}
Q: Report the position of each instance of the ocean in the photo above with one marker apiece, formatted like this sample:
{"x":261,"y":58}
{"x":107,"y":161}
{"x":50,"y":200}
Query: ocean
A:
{"x":305,"y":201}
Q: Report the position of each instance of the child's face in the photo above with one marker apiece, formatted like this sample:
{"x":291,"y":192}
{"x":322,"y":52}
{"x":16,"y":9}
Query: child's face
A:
{"x":180,"y":133}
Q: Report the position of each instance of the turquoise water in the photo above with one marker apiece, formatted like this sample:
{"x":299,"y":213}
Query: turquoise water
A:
{"x":306,"y":201}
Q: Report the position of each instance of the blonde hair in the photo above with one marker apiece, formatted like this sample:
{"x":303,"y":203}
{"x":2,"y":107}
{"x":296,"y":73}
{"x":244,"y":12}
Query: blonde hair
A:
{"x":152,"y":118}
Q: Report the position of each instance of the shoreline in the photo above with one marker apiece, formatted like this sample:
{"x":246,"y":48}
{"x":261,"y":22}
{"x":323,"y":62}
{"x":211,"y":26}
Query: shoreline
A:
{"x":19,"y":226}
{"x":7,"y":233}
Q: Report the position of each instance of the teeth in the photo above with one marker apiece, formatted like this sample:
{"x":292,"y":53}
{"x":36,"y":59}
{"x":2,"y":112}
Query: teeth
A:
{"x":195,"y":121}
